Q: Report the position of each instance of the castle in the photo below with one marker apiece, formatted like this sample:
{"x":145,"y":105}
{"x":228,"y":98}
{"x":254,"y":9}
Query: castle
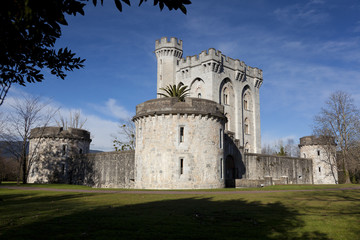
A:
{"x":211,"y":140}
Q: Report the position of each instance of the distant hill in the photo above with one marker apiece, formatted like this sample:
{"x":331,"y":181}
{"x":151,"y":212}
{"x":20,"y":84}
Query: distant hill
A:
{"x":95,"y":151}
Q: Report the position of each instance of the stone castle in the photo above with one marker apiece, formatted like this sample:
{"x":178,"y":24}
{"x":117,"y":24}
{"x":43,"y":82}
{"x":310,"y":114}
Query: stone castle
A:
{"x":211,"y":140}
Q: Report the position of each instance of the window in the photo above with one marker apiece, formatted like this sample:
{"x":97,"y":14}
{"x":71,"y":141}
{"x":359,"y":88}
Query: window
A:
{"x":221,"y":168}
{"x":318,"y":152}
{"x":181,"y":134}
{"x":225,"y":98}
{"x":319,"y":169}
{"x":246,"y":126}
{"x":64,"y":149}
{"x":181,"y":166}
{"x":199,"y":95}
{"x":62,"y":168}
{"x":80,"y":151}
{"x":221,"y":139}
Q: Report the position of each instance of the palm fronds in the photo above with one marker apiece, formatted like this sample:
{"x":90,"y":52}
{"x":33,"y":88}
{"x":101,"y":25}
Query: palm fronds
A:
{"x":180,"y":91}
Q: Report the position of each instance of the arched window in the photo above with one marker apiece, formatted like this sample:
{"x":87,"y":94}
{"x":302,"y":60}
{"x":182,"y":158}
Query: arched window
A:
{"x":199,"y":95}
{"x":247,"y":100}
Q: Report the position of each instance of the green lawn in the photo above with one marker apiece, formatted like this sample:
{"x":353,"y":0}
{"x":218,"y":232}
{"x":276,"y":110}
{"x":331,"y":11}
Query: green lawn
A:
{"x":26,"y":214}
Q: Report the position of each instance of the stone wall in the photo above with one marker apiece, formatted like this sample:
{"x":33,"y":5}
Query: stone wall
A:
{"x":112,"y":169}
{"x":264,"y":170}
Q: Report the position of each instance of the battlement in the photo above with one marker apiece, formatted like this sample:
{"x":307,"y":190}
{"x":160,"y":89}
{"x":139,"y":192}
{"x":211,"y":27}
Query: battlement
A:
{"x":196,"y":106}
{"x":59,"y":132}
{"x":313,"y":140}
{"x":165,"y":43}
{"x":215,"y":56}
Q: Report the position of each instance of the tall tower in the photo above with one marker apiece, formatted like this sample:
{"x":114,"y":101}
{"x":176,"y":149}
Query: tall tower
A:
{"x":168,"y":54}
{"x":322,"y":150}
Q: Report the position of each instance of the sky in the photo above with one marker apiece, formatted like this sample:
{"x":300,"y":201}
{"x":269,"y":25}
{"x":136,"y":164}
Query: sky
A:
{"x":307,"y":50}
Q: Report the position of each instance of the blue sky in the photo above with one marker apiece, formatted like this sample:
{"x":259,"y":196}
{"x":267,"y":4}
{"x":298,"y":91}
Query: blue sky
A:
{"x":307,"y":49}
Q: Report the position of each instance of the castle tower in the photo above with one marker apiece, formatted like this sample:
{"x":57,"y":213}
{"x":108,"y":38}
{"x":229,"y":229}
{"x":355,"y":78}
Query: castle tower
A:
{"x":322,"y":150}
{"x":179,"y":145}
{"x":168,"y":54}
{"x":54,"y":150}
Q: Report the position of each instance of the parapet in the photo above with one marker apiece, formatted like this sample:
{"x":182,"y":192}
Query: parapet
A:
{"x":213,"y":55}
{"x":165,"y":43}
{"x":313,"y":140}
{"x":191,"y":106}
{"x":59,"y":132}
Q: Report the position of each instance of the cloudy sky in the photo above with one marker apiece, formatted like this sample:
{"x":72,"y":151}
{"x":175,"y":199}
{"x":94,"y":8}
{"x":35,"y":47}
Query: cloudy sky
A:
{"x":307,"y":49}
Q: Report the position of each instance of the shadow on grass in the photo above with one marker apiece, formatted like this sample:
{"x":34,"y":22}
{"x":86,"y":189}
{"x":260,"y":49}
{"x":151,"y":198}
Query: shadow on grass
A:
{"x":187,"y":218}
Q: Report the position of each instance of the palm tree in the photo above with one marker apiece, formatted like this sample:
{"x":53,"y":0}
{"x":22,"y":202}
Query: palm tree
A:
{"x":180,"y":91}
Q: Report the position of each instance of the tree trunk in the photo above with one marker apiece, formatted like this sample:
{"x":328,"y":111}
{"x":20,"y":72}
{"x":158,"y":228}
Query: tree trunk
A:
{"x":24,"y":162}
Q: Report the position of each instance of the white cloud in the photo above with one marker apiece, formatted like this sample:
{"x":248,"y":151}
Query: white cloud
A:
{"x":112,"y":109}
{"x":306,"y":13}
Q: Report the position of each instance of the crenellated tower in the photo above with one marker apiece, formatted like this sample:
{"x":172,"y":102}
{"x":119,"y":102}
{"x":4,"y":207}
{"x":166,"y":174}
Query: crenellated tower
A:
{"x":168,"y":54}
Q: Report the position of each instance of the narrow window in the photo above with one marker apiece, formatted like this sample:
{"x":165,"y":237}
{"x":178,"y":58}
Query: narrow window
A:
{"x":80,"y":151}
{"x":199,"y":95}
{"x":64,"y":148}
{"x":318,"y":152}
{"x":63,"y":169}
{"x":221,"y":138}
{"x":181,"y":134}
{"x":225,"y":98}
{"x":319,"y":169}
{"x":181,"y":166}
{"x":221,"y":168}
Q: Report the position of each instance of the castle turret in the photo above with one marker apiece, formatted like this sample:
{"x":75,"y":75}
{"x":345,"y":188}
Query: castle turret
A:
{"x":168,"y":54}
{"x":53,"y":151}
{"x":322,"y":150}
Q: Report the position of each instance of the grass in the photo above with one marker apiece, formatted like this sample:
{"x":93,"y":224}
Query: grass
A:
{"x":27,"y":214}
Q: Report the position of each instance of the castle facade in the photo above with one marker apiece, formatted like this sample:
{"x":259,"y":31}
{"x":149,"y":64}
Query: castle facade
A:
{"x":211,"y":140}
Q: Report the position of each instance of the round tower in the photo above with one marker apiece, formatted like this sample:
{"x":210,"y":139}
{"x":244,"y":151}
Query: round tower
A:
{"x":168,"y":54}
{"x":322,"y":150}
{"x":179,"y":145}
{"x":53,"y":151}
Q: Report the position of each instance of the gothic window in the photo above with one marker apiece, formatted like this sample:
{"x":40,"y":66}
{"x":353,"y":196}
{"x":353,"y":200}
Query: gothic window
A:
{"x":247,"y":100}
{"x":246,"y":107}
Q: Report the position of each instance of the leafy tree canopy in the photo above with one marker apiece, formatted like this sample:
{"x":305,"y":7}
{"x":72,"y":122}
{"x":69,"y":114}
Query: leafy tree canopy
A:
{"x":29,"y":30}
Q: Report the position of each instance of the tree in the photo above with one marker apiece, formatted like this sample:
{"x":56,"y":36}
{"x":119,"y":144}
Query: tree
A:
{"x":26,"y":113}
{"x":28,"y":32}
{"x":340,"y":119}
{"x":73,"y":121}
{"x":126,"y":139}
{"x":180,"y":91}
